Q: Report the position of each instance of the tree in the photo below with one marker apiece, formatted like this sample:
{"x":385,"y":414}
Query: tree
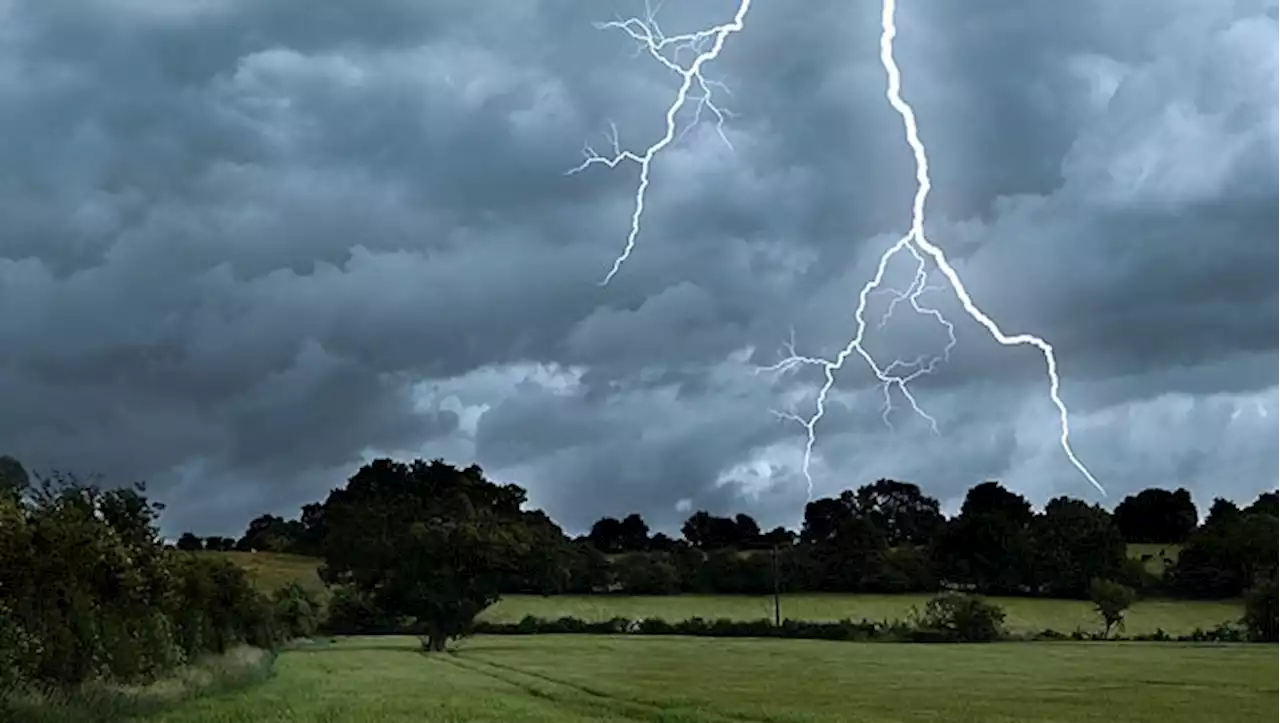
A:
{"x":988,"y":552}
{"x":189,"y":542}
{"x":661,"y":542}
{"x":988,"y":545}
{"x":1223,"y":559}
{"x":427,"y":541}
{"x":991,"y":498}
{"x":1267,"y":503}
{"x":269,"y":533}
{"x":1262,"y":611}
{"x":778,"y":537}
{"x":1157,"y":516}
{"x":900,"y":510}
{"x":14,"y":479}
{"x":1110,"y":599}
{"x":824,"y":517}
{"x":1073,"y":543}
{"x":634,"y":533}
{"x":1221,"y":511}
{"x":747,"y":531}
{"x":217,"y":543}
{"x":709,"y":532}
{"x":613,"y":536}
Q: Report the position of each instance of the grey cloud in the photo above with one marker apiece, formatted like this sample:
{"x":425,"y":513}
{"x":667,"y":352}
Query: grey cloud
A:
{"x":240,"y":242}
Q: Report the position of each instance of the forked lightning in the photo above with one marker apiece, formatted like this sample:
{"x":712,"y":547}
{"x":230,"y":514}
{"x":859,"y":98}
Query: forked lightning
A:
{"x":706,"y":46}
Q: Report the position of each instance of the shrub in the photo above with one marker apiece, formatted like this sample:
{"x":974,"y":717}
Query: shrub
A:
{"x":352,"y":613}
{"x":1110,"y":599}
{"x":296,"y":611}
{"x":1261,"y":611}
{"x":961,"y":618}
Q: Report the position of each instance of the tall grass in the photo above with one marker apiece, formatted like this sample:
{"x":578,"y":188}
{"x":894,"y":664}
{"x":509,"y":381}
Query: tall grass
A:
{"x":100,"y":702}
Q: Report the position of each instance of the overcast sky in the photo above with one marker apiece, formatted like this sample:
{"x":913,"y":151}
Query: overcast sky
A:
{"x":246,"y":246}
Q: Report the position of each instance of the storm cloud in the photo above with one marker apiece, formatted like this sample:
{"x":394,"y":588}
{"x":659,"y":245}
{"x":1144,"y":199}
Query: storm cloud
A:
{"x":246,"y":246}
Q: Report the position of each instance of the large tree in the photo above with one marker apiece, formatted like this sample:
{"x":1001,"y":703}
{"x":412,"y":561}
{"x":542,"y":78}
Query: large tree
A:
{"x":988,"y":545}
{"x":1074,"y":543}
{"x":611,"y":535}
{"x":706,"y":531}
{"x":992,"y":498}
{"x":1225,"y":558}
{"x":900,"y":510}
{"x":1157,"y":515}
{"x":429,"y":542}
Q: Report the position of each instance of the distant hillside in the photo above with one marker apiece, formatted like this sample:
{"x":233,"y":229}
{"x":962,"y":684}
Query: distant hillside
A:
{"x":271,"y":571}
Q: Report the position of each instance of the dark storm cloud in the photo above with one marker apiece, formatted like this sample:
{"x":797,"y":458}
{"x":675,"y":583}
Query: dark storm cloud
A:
{"x":247,"y":245}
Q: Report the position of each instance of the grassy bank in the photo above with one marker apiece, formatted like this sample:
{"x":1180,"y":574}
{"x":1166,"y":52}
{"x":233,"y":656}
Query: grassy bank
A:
{"x":106,"y":703}
{"x":573,"y":679}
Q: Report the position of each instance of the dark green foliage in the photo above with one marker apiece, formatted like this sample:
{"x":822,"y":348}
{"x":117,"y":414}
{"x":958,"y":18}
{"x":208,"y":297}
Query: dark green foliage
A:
{"x":1262,"y":611}
{"x":352,"y":612}
{"x":646,"y":574}
{"x":1073,"y":543}
{"x":188,"y":542}
{"x":1224,"y":557}
{"x":610,"y":535}
{"x":1158,"y":516}
{"x":954,"y":617}
{"x":709,"y":532}
{"x":435,"y":544}
{"x":902,"y":513}
{"x":87,"y":591}
{"x":1267,"y":503}
{"x":296,"y":611}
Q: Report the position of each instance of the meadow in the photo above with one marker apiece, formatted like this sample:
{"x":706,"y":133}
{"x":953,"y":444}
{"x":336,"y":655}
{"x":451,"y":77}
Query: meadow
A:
{"x":693,"y":680}
{"x":1024,"y":615}
{"x":270,"y":571}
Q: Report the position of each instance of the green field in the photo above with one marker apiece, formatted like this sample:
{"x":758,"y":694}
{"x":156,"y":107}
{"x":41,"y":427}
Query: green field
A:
{"x":566,"y":679}
{"x":1024,"y":614}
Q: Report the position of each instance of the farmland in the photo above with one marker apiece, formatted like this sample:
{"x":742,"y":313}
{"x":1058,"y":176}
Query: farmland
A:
{"x":568,"y":679}
{"x":272,"y":570}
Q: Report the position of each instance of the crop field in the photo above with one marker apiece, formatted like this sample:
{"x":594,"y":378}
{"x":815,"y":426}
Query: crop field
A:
{"x":1024,"y":614}
{"x":567,"y":679}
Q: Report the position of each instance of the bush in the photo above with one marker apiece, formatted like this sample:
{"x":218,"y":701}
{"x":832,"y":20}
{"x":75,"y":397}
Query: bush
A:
{"x":1262,"y":612}
{"x":1111,"y":600}
{"x":956,"y":617}
{"x":352,"y":613}
{"x":296,"y":611}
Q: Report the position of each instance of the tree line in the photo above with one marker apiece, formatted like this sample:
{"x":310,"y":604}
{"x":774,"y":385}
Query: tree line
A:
{"x":885,"y":537}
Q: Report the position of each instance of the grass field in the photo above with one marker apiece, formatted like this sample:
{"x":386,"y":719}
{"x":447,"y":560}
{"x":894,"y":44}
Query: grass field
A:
{"x":692,"y":680}
{"x":271,"y":571}
{"x":1158,"y":555}
{"x":1024,"y":614}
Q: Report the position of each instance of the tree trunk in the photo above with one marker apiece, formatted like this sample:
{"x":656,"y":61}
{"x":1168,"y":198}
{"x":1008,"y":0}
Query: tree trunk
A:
{"x":436,"y":642}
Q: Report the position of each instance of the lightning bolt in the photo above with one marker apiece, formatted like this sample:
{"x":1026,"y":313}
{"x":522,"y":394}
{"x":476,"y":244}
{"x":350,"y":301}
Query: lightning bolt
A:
{"x":705,"y":46}
{"x":898,"y":374}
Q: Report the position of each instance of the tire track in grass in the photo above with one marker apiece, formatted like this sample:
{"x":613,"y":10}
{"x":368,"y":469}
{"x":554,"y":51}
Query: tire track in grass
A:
{"x":647,"y":710}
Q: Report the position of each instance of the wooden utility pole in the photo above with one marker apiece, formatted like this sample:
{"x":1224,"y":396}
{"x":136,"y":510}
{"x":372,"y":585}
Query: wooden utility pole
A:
{"x":777,"y":601}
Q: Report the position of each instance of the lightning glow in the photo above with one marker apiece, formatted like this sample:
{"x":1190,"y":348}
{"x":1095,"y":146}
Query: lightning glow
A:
{"x":898,"y":374}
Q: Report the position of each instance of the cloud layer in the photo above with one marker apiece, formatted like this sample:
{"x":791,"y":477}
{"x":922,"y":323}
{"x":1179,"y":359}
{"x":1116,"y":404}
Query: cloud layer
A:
{"x":247,"y":246}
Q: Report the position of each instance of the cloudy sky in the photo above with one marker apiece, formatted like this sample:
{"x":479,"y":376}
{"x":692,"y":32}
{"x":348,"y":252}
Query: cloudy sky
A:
{"x":246,"y":246}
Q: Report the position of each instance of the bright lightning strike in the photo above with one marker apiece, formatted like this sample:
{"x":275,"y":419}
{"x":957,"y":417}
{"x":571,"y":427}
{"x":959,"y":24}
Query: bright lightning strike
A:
{"x":706,"y":46}
{"x":915,"y":242}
